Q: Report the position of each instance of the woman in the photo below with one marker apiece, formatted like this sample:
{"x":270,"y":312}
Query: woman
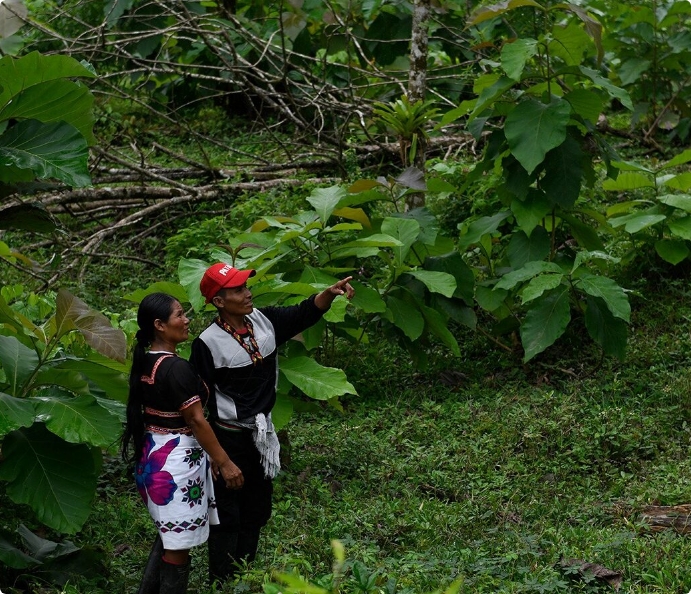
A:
{"x":167,"y":428}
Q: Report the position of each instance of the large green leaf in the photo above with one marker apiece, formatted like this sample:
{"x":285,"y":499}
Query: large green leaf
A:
{"x":490,"y":299}
{"x":609,"y":291}
{"x":672,"y":250}
{"x":539,"y":285}
{"x":374,"y":240}
{"x":282,"y":411}
{"x":490,"y":94}
{"x":605,"y":329}
{"x":681,"y":201}
{"x":325,"y":200}
{"x":586,"y":103}
{"x":680,"y":159}
{"x":569,"y":43}
{"x":69,"y":379}
{"x":317,"y":381}
{"x":456,"y":310}
{"x":22,"y":325}
{"x":637,"y":221}
{"x":312,"y":337}
{"x":523,"y":249}
{"x":680,"y":227}
{"x":54,"y":101}
{"x":588,"y":256}
{"x":174,"y":289}
{"x":436,"y":282}
{"x":55,"y":478}
{"x":563,"y":172}
{"x":681,"y":181}
{"x":515,"y":55}
{"x":612,"y":90}
{"x":405,"y":316}
{"x":78,"y":419}
{"x":477,"y":229}
{"x":530,"y":212}
{"x":533,"y":129}
{"x":190,"y":272}
{"x":406,"y":231}
{"x":545,"y":321}
{"x":17,"y":361}
{"x":429,"y":225}
{"x":276,"y":285}
{"x":56,"y":150}
{"x":13,"y":557}
{"x":437,"y":325}
{"x":367,"y":299}
{"x":113,"y":381}
{"x":337,"y":312}
{"x":628,"y":180}
{"x":454,"y":264}
{"x":584,"y":234}
{"x":15,"y":413}
{"x":19,"y":74}
{"x":93,"y":325}
{"x":531,"y":269}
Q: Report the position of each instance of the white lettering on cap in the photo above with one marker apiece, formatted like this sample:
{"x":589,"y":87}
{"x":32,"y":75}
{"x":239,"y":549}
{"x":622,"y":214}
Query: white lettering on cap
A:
{"x":225,"y":270}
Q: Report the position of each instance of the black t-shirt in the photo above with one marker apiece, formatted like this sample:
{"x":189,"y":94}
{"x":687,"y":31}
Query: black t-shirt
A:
{"x":169,"y":385}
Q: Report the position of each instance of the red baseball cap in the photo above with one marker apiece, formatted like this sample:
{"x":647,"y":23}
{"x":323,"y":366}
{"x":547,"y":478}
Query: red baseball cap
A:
{"x":222,"y":276}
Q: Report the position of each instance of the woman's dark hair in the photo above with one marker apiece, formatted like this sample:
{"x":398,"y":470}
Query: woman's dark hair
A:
{"x":156,"y":306}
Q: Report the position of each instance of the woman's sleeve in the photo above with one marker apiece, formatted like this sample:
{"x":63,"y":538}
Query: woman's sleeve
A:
{"x":183,"y":384}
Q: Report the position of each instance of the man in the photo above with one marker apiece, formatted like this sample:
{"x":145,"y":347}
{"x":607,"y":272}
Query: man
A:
{"x":237,"y":358}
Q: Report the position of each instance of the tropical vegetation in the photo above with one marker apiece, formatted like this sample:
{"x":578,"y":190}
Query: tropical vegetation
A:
{"x":509,"y":191}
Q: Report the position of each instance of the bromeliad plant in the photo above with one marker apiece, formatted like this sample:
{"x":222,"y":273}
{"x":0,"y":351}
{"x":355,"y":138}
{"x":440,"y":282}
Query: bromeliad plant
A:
{"x":408,"y":121}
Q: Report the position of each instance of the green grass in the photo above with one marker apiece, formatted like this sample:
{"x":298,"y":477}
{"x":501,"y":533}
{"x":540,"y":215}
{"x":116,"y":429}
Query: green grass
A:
{"x":492,"y":476}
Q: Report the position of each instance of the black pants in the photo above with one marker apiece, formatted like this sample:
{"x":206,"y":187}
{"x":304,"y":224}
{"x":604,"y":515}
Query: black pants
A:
{"x":242,"y":512}
{"x":250,"y":506}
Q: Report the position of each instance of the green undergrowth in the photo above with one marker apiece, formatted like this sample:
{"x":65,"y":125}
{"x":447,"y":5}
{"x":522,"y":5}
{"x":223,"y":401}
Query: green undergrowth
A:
{"x":477,"y":468}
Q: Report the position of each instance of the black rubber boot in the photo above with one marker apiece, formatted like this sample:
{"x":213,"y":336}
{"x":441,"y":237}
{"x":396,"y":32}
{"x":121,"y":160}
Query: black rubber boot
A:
{"x":222,"y":555}
{"x":174,"y":578}
{"x":151,"y":578}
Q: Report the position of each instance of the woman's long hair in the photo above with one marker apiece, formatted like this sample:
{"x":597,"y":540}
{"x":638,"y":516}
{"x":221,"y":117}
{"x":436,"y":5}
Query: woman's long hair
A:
{"x":156,"y":306}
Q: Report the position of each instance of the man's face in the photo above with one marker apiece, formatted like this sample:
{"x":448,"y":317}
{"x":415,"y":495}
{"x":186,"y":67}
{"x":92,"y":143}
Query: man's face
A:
{"x":234,"y":301}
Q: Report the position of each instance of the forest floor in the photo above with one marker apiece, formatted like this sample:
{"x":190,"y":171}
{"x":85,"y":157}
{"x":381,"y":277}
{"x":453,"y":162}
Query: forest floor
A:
{"x":479,"y":469}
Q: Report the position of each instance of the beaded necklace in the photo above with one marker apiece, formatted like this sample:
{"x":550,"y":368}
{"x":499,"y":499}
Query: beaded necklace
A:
{"x":252,"y":348}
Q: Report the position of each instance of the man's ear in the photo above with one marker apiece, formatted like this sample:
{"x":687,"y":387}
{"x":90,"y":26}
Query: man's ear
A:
{"x":217,"y":301}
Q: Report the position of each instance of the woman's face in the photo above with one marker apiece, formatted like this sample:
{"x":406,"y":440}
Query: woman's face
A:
{"x":176,"y":328}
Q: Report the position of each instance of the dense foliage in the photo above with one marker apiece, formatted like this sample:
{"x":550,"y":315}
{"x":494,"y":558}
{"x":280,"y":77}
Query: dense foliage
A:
{"x":530,"y":238}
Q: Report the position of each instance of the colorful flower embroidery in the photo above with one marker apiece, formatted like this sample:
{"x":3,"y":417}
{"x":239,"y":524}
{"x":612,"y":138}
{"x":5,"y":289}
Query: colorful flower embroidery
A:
{"x":193,"y":493}
{"x":151,"y":480}
{"x":194,"y":457}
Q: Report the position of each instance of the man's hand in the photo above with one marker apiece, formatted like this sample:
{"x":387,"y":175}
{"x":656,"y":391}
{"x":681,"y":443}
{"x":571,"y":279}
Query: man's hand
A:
{"x":324,"y":300}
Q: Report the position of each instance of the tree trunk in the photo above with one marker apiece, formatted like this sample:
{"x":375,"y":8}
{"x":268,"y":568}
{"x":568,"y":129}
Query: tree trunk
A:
{"x":417,"y":84}
{"x":677,"y":517}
